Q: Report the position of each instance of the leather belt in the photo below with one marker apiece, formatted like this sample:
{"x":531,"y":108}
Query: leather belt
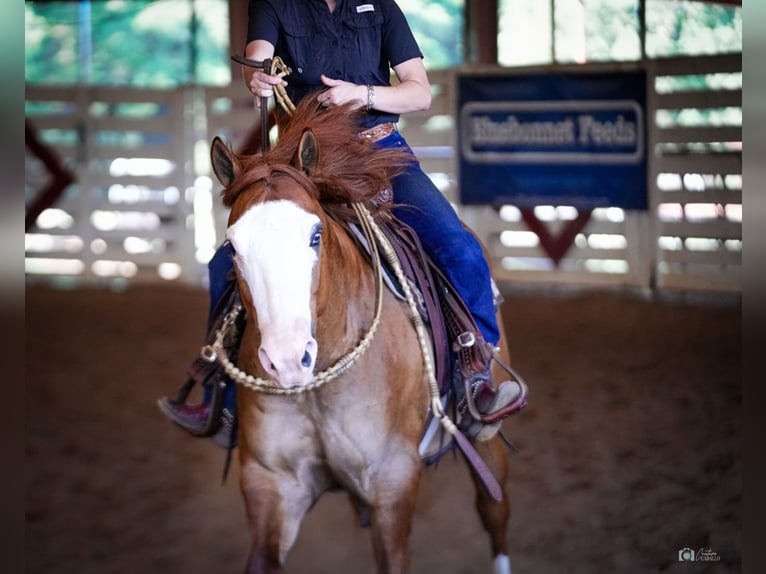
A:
{"x":378,"y":132}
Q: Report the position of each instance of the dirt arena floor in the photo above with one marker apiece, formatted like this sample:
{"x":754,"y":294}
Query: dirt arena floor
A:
{"x":629,"y":447}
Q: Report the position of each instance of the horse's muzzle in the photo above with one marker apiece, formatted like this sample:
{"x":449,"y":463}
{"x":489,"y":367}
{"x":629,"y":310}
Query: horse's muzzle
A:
{"x":289,"y":365}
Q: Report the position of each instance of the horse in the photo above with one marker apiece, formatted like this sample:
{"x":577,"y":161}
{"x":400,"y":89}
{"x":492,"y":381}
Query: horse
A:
{"x":314,"y":306}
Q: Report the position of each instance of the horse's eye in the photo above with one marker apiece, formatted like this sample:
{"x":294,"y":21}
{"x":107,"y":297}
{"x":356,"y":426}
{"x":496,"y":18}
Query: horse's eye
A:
{"x":316,"y":238}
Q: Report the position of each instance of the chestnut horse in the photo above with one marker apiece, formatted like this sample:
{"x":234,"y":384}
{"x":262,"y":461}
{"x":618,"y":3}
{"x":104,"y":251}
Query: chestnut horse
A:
{"x":311,"y":301}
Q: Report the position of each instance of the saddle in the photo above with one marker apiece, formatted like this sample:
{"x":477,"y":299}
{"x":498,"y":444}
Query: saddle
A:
{"x":460,"y":353}
{"x":453,"y":329}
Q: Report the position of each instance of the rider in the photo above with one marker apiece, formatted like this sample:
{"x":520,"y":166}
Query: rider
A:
{"x":347,"y":47}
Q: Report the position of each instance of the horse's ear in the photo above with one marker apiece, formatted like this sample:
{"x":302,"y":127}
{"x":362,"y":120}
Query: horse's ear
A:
{"x":226,"y":165}
{"x":307,"y":156}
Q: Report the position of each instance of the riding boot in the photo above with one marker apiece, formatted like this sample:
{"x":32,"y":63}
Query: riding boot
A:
{"x":194,"y":419}
{"x":214,"y":417}
{"x":482,"y":408}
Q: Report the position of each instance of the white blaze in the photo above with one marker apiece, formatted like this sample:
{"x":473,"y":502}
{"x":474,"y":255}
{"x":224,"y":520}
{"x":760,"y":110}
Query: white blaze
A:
{"x":275,"y":258}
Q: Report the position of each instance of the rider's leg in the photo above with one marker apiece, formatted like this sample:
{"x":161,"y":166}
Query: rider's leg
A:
{"x":218,"y":269}
{"x":195,"y":418}
{"x":459,"y":256}
{"x":453,"y":248}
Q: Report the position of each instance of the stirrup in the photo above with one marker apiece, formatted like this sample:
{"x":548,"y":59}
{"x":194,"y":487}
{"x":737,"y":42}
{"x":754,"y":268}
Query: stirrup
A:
{"x":214,"y":419}
{"x":484,"y":425}
{"x":472,"y":387}
{"x":506,"y":401}
{"x":183,"y":391}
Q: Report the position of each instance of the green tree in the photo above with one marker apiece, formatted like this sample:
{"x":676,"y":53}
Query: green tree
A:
{"x":146,"y":43}
{"x":51,"y":47}
{"x":611,"y":29}
{"x":438,"y":28}
{"x":690,"y":28}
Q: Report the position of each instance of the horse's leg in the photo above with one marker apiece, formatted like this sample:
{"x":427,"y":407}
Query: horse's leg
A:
{"x":275,"y":508}
{"x":495,"y":515}
{"x":393,"y":507}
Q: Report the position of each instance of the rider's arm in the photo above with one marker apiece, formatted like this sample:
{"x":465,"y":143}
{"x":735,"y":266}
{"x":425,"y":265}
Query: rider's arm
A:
{"x":259,"y":83}
{"x":411,"y":94}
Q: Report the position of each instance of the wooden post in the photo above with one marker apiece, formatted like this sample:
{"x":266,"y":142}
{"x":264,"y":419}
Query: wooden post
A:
{"x":481,"y":32}
{"x":237,"y":35}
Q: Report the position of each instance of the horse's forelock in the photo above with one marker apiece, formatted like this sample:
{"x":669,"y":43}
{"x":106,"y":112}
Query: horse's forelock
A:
{"x":259,"y":182}
{"x":332,"y":126}
{"x":253,"y":173}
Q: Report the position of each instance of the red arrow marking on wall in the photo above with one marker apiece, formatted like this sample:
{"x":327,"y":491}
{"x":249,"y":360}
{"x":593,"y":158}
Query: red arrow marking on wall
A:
{"x":61,"y":177}
{"x":556,"y":246}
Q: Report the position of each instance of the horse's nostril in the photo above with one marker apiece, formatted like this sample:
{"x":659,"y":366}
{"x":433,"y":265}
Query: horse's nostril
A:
{"x":306,"y":360}
{"x":266,"y":361}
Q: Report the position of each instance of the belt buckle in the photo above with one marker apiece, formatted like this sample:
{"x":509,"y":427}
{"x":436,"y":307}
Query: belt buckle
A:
{"x":387,"y":129}
{"x":378,"y":132}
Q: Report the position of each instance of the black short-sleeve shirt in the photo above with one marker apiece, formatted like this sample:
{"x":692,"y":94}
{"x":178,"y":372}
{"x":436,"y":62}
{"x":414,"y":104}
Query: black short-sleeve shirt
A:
{"x":358,"y":42}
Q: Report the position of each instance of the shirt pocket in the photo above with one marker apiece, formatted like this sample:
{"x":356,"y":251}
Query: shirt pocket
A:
{"x":365,"y":35}
{"x":303,"y":49}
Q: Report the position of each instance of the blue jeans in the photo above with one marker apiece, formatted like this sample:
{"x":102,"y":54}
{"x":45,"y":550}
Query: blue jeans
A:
{"x":218,"y":271}
{"x":454,"y":249}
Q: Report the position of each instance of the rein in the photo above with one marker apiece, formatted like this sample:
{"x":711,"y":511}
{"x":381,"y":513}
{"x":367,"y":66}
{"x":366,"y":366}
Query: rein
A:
{"x":217,"y":351}
{"x":274,"y":67}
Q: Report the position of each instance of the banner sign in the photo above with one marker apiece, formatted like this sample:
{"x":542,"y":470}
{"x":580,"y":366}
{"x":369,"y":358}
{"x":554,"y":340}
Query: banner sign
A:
{"x":552,"y":138}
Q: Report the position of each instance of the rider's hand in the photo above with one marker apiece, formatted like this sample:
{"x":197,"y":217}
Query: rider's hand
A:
{"x":262,"y":85}
{"x":339,"y":92}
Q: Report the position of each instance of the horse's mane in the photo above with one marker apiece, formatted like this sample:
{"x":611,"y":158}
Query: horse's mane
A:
{"x":350,"y":169}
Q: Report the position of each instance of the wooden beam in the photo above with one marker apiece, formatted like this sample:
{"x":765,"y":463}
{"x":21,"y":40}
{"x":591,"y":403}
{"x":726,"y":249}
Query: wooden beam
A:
{"x":481,"y":32}
{"x":237,"y":35}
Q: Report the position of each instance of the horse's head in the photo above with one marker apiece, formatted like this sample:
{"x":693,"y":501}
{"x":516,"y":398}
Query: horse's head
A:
{"x":275,"y":228}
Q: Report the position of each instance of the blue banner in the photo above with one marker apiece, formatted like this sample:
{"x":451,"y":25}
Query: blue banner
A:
{"x":553,"y":138}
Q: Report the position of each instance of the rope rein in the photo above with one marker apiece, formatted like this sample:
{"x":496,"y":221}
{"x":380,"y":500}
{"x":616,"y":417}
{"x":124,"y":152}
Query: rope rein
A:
{"x":217,"y":351}
{"x":433,"y":386}
{"x":371,"y":230}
